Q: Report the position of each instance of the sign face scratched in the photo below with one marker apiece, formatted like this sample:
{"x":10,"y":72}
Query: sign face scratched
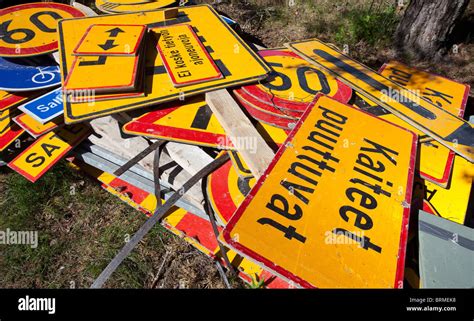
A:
{"x":30,"y":29}
{"x":192,"y":122}
{"x":185,"y":57}
{"x":26,"y":74}
{"x":35,"y":128}
{"x":282,"y":121}
{"x":46,"y":107}
{"x":332,"y":209}
{"x":116,"y":7}
{"x":267,"y":108}
{"x":46,"y":151}
{"x":295,"y":82}
{"x":436,"y":161}
{"x":111,"y":40}
{"x":449,"y":130}
{"x":238,"y":66}
{"x":450,"y":203}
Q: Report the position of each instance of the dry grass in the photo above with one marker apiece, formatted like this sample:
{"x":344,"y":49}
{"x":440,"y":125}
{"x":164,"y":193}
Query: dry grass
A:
{"x":79,"y":234}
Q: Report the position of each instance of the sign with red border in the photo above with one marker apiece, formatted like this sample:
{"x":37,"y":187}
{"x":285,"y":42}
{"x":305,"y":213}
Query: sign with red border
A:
{"x":266,"y":108}
{"x":34,"y":127}
{"x":436,"y":161}
{"x":111,"y":39}
{"x":226,"y":190}
{"x":39,"y":157}
{"x":299,"y":223}
{"x":295,"y":82}
{"x":9,"y":136}
{"x":8,"y":100}
{"x":184,"y":56}
{"x":30,"y":29}
{"x":265,"y":117}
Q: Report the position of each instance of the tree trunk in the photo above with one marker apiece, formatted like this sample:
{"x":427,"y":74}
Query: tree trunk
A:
{"x":424,"y":30}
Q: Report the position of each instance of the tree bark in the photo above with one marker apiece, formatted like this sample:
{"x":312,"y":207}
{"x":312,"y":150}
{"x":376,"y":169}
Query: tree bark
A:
{"x":424,"y":30}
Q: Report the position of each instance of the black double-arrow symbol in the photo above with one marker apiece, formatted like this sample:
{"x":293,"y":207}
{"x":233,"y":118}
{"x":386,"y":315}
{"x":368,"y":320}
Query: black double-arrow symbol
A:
{"x":109,"y":44}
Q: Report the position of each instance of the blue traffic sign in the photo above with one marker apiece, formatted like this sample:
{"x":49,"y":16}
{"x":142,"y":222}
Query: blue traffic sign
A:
{"x":46,"y":107}
{"x":25,"y":74}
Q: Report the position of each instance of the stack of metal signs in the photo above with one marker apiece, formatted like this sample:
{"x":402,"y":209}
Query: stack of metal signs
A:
{"x":327,"y":162}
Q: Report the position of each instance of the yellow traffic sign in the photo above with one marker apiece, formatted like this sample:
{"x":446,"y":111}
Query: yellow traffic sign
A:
{"x":34,"y":127}
{"x":30,"y":29}
{"x":184,"y":56}
{"x":238,"y":63}
{"x":117,"y":6}
{"x":193,"y":122}
{"x":448,"y":129}
{"x":8,"y":100}
{"x":295,"y":82}
{"x":46,"y":151}
{"x":103,"y":74}
{"x":226,"y":190}
{"x":5,"y":121}
{"x":443,"y":92}
{"x":114,"y":39}
{"x":436,"y":161}
{"x":452,"y":202}
{"x":332,"y":209}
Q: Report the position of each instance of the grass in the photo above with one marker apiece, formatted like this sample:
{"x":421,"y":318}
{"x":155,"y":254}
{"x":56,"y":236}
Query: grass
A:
{"x":365,"y":25}
{"x":81,"y":228}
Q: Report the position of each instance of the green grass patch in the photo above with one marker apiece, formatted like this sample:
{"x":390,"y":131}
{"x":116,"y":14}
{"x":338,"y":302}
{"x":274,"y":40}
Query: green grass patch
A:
{"x":373,"y":26}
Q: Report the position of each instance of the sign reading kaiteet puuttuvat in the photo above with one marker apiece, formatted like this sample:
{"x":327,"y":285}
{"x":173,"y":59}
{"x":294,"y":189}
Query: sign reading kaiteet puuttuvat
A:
{"x":332,"y":208}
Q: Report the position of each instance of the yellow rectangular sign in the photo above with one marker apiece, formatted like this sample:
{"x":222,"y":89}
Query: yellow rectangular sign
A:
{"x":40,"y":156}
{"x":452,"y":202}
{"x":332,"y":209}
{"x":111,"y":39}
{"x":103,"y":74}
{"x":34,"y":127}
{"x":436,"y":161}
{"x":448,"y":129}
{"x":237,"y":62}
{"x":184,"y":56}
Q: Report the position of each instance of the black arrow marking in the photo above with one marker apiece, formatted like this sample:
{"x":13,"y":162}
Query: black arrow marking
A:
{"x":115,"y":31}
{"x":109,"y":44}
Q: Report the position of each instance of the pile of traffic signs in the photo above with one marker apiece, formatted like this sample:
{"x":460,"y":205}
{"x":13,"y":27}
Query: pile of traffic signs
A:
{"x":329,"y":162}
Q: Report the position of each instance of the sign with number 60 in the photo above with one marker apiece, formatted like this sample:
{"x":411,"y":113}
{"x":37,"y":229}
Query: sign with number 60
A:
{"x":30,"y":29}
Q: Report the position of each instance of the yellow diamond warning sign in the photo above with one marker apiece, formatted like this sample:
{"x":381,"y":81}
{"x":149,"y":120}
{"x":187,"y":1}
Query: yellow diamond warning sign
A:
{"x":332,"y":209}
{"x":186,"y":60}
